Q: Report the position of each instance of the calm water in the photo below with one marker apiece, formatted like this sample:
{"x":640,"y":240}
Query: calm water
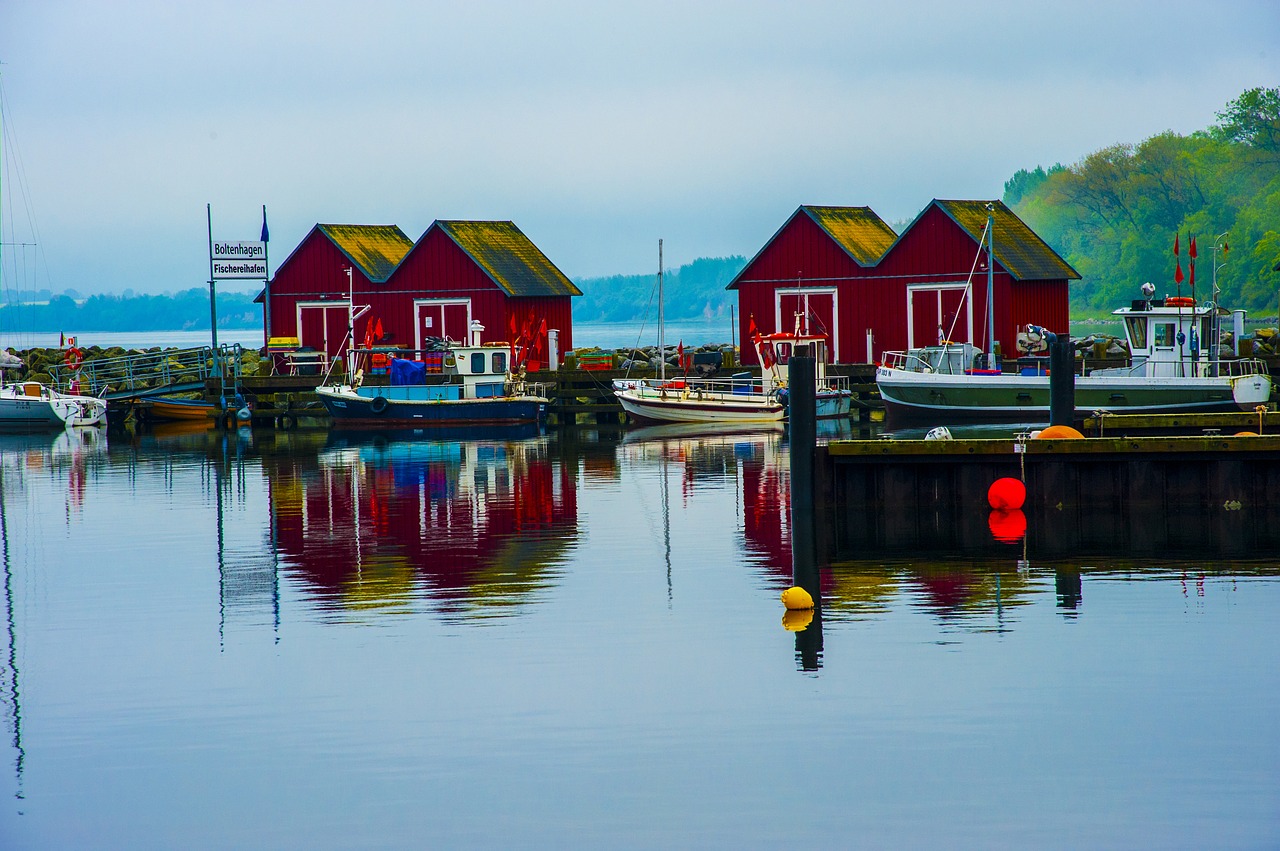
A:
{"x":298,"y":640}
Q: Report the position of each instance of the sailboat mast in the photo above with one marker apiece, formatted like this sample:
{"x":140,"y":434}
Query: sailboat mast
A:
{"x":662,"y":342}
{"x":991,"y":288}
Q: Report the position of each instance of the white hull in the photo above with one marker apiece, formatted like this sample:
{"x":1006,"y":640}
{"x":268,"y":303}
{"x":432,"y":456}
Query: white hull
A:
{"x":690,"y":405}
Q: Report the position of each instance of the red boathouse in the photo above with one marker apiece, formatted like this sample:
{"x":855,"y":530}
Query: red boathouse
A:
{"x":458,"y":273}
{"x":871,"y":290}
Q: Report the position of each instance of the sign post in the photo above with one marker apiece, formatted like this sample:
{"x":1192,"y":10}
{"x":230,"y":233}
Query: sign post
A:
{"x":240,"y":260}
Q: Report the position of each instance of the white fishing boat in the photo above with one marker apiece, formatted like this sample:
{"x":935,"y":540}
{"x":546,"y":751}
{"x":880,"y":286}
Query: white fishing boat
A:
{"x":740,"y":398}
{"x":1172,"y":370}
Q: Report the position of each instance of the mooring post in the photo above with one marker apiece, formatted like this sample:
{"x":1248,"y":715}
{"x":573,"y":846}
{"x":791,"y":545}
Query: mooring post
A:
{"x":803,"y":415}
{"x":1062,"y":380}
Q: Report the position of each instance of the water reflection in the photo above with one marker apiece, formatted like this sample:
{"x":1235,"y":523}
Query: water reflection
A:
{"x":374,"y":522}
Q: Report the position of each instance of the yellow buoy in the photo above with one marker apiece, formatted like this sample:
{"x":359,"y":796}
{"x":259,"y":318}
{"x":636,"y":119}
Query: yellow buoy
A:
{"x":797,"y":620}
{"x":1058,"y":432}
{"x":1246,"y":434}
{"x":795,"y":598}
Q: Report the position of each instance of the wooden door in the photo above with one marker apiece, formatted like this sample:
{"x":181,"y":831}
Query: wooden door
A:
{"x":816,"y":309}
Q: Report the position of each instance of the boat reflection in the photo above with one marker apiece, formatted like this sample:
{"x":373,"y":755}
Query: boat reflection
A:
{"x":382,"y":521}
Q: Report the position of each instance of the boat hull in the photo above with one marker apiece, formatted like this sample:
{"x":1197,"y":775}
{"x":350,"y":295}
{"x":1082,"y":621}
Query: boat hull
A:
{"x":1017,"y":398}
{"x":173,"y":410}
{"x":349,"y":408}
{"x":676,"y":407}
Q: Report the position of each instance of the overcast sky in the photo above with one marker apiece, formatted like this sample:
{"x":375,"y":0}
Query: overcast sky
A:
{"x":597,"y":127}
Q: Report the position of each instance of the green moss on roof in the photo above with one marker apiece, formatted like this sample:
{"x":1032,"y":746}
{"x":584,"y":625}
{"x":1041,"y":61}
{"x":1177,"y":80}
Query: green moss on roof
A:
{"x":376,"y":249}
{"x":858,"y":230}
{"x":1017,"y":247}
{"x":509,"y":257}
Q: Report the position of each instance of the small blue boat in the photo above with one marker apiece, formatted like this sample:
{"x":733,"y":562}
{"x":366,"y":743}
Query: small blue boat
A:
{"x":463,"y":386}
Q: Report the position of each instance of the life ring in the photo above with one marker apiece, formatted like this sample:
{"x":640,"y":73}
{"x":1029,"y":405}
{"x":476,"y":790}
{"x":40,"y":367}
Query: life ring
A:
{"x":1180,"y":301}
{"x":73,"y":358}
{"x":379,"y":404}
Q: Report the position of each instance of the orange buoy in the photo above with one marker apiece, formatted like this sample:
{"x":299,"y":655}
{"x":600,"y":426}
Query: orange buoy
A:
{"x":1008,"y":527}
{"x":1006,"y":494}
{"x":1246,"y":434}
{"x":1058,"y":432}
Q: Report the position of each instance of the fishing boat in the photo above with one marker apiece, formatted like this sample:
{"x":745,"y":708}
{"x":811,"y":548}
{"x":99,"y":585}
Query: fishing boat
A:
{"x":448,"y":385}
{"x":740,"y":398}
{"x":1168,"y":372}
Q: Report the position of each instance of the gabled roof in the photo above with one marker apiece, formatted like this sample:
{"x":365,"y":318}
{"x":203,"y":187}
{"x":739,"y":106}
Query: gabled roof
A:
{"x":508,"y":257}
{"x":1017,"y":248}
{"x":858,"y":231}
{"x":375,"y":249}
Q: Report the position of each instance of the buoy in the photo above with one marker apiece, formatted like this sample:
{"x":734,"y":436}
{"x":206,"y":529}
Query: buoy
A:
{"x":1246,"y":434}
{"x":1008,"y":527}
{"x":1058,"y":432}
{"x":1006,"y":494}
{"x":797,"y":620}
{"x":796,"y":598}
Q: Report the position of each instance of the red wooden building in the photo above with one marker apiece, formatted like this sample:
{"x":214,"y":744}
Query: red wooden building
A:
{"x":457,"y":273}
{"x":871,"y":290}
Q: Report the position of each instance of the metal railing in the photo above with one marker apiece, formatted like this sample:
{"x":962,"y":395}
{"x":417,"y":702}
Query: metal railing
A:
{"x":148,"y":373}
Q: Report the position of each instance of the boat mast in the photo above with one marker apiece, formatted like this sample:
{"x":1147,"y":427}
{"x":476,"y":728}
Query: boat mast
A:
{"x":662,"y":344}
{"x":991,"y":289}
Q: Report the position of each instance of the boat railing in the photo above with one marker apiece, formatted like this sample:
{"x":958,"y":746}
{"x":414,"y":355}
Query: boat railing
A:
{"x":1224,"y":368}
{"x":946,"y":359}
{"x":683,"y":386}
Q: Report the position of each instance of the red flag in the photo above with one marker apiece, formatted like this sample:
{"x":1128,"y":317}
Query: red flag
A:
{"x":752,"y":331}
{"x":1192,"y":250}
{"x":368,"y":334}
{"x":1224,"y":248}
{"x":1175,"y":244}
{"x":377,"y":333}
{"x":1177,"y":276}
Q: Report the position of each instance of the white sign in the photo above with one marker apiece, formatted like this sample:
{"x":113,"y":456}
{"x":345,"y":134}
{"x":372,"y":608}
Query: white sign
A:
{"x":255,"y":269}
{"x":239,"y":251}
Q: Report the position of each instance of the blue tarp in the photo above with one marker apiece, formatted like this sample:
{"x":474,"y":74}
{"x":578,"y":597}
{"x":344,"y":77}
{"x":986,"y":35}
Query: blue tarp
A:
{"x":407,"y":372}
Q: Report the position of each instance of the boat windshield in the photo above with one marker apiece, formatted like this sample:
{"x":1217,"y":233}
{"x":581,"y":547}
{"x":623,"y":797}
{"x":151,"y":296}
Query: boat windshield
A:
{"x":1137,"y":331}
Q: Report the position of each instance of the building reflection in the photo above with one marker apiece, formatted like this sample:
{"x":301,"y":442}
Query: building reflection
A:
{"x":375,"y":522}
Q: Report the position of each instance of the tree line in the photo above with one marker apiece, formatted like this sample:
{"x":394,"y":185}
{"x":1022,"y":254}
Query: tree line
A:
{"x":1114,"y":215}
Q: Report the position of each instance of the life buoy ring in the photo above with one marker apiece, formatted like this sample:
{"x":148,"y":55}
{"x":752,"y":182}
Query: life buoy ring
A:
{"x":379,"y":404}
{"x":73,"y":358}
{"x":1180,"y":301}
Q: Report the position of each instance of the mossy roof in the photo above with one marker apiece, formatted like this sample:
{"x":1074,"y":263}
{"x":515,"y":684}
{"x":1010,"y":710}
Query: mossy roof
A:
{"x":1017,"y":248}
{"x":858,"y":230}
{"x":375,"y":249}
{"x":509,"y":258}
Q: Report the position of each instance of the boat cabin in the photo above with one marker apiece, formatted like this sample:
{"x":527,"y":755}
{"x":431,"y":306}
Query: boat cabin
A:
{"x":1174,"y":336}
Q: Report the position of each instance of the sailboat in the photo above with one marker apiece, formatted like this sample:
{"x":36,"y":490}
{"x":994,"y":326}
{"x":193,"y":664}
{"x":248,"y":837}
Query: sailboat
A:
{"x":739,"y":398}
{"x":30,"y":405}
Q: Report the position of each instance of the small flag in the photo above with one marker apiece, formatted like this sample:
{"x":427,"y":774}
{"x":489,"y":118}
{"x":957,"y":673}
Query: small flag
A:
{"x":1224,"y":248}
{"x":266,"y":235}
{"x":1177,"y":276}
{"x":752,"y":331}
{"x":1192,"y":250}
{"x":1175,"y":244}
{"x":377,"y":332}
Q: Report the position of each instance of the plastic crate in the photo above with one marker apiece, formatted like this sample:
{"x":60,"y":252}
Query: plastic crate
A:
{"x":595,"y":363}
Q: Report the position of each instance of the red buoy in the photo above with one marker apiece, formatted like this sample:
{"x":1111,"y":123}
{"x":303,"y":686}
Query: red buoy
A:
{"x":1006,"y":494}
{"x":1008,"y":527}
